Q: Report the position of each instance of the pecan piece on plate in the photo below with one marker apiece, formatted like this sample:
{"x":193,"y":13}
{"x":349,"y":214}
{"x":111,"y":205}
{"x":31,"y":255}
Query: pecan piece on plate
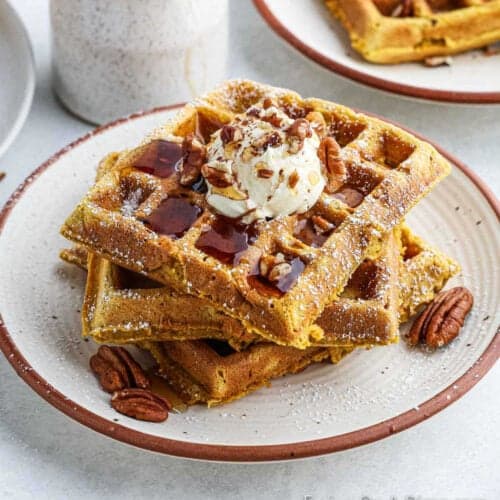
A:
{"x":116,"y":369}
{"x":443,"y":318}
{"x":141,"y":404}
{"x":329,"y":155}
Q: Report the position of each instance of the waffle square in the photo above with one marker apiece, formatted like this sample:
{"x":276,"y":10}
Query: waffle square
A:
{"x":394,"y":31}
{"x":387,"y":168}
{"x":209,"y":371}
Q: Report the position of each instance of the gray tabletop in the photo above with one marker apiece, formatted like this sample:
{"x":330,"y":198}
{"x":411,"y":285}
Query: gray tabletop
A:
{"x":453,"y":455}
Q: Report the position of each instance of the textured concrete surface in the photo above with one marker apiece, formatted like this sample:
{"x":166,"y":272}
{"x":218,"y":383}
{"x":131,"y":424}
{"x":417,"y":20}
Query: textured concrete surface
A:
{"x":451,"y":456}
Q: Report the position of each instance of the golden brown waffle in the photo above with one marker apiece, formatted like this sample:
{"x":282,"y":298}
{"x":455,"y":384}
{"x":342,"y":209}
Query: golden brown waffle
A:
{"x":123,"y":307}
{"x":387,"y":168}
{"x":424,"y":272}
{"x":209,"y":371}
{"x":394,"y":31}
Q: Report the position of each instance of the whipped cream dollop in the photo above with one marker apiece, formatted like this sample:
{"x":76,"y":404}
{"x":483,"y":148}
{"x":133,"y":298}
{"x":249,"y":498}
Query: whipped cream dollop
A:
{"x":264,"y":164}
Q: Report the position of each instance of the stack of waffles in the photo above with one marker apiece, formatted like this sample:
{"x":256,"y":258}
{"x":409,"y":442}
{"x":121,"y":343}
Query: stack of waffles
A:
{"x":393,"y":31}
{"x":225,"y":303}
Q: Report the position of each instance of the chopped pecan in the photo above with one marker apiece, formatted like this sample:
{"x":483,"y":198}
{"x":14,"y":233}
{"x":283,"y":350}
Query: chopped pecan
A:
{"x":294,"y":145}
{"x":300,"y":129}
{"x":321,"y":225}
{"x":293,"y":179}
{"x":329,"y":155}
{"x":117,"y":369}
{"x":216,"y":177}
{"x":254,"y":111}
{"x":263,"y":172}
{"x":141,"y":404}
{"x":274,"y":267}
{"x":279,"y":271}
{"x":317,"y":121}
{"x":434,"y":62}
{"x":272,"y":140}
{"x":273,"y":119}
{"x":194,"y":154}
{"x":441,"y":321}
{"x":267,"y":262}
{"x":268,"y":103}
{"x":229,"y":133}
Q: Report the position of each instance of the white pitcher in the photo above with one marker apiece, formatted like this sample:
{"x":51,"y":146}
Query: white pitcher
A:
{"x":112,"y":58}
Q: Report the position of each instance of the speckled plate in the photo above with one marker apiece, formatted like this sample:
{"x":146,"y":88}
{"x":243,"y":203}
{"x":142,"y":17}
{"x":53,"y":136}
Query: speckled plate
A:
{"x":309,"y":27}
{"x":368,"y":396}
{"x":17,"y":75}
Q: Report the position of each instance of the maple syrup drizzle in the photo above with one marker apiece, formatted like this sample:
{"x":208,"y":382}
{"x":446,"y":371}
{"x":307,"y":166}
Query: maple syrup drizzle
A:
{"x":364,"y":280}
{"x":349,"y":195}
{"x":279,"y":288}
{"x":205,"y":126}
{"x":160,"y":386}
{"x":161,"y":158}
{"x":226,"y":239}
{"x":306,"y":232}
{"x":173,"y":217}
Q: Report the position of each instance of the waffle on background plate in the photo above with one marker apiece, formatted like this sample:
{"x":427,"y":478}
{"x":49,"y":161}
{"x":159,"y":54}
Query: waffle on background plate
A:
{"x":395,"y":31}
{"x":387,"y":172}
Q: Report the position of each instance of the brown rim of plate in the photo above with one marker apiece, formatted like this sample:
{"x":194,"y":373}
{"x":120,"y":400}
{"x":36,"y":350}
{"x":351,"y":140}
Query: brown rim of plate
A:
{"x":256,"y":453}
{"x":372,"y":81}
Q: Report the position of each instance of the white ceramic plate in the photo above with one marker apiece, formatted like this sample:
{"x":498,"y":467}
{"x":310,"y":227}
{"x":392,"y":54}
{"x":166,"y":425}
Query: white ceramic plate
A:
{"x":17,"y":75}
{"x":369,"y":395}
{"x":310,"y":28}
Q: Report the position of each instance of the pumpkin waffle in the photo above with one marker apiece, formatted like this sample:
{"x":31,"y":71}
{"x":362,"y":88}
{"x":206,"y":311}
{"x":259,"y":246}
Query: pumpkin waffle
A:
{"x":123,"y":307}
{"x":211,"y":372}
{"x":387,"y":172}
{"x":394,"y":31}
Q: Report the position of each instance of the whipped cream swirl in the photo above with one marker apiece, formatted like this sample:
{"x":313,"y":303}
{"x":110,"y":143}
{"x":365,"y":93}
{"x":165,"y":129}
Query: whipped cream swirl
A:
{"x":263,"y":165}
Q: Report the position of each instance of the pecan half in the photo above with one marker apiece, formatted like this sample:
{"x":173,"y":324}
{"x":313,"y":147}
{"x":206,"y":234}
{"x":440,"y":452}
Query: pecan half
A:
{"x":329,"y":155}
{"x":441,"y":321}
{"x":116,"y":369}
{"x":141,"y":404}
{"x":217,"y":178}
{"x":195,"y":154}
